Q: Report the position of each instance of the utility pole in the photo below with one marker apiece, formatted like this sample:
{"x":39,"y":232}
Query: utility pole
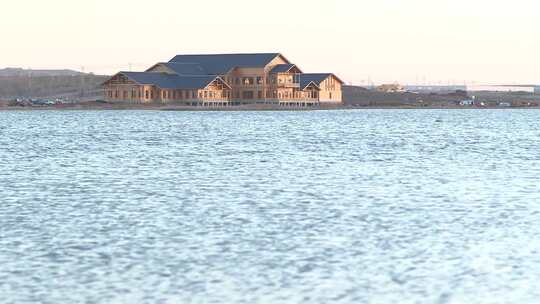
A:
{"x":82,"y":82}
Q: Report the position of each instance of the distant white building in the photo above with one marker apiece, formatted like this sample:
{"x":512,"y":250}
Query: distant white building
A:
{"x":439,"y":89}
{"x":501,"y":88}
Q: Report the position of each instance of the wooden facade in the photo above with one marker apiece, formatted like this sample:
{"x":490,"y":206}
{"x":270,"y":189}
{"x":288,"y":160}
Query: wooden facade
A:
{"x":121,"y":88}
{"x":274,"y":82}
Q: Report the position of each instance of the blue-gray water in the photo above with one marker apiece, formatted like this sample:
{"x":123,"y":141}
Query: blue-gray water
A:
{"x":367,"y":206}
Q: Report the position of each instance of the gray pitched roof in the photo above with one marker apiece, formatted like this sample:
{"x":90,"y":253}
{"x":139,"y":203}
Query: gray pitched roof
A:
{"x":306,"y":79}
{"x":316,"y":78}
{"x":220,"y":64}
{"x":282,"y":68}
{"x":185,"y":68}
{"x":170,"y":81}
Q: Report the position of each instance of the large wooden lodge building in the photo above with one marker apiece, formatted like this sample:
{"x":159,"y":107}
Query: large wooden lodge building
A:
{"x":225,"y":79}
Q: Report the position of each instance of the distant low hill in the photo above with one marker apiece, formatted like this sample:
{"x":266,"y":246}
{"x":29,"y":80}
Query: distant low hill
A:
{"x":21,"y":83}
{"x":351,"y":93}
{"x":360,"y":96}
{"x":18,"y":72}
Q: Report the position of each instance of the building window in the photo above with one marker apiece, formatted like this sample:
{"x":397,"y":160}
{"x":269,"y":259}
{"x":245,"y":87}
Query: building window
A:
{"x":248,"y":81}
{"x":205,"y":94}
{"x":125,"y":95}
{"x":146,"y":94}
{"x":152,"y":94}
{"x":330,"y":95}
{"x":260,"y":95}
{"x":237,"y":80}
{"x":247,"y":95}
{"x":259,"y":80}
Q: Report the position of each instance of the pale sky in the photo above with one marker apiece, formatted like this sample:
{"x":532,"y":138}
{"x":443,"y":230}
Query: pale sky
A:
{"x":410,"y":41}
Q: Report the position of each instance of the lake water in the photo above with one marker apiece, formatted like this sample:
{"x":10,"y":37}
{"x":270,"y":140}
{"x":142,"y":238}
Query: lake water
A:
{"x":362,"y":206}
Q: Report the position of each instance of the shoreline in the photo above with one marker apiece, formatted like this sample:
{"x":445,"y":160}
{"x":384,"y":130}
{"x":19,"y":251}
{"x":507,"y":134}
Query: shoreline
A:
{"x":98,"y":106}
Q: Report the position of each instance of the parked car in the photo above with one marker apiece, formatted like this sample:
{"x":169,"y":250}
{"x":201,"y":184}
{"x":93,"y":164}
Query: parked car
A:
{"x":467,"y":102}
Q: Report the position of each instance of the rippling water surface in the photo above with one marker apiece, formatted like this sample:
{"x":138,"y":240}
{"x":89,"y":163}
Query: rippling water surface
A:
{"x":367,"y":206}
